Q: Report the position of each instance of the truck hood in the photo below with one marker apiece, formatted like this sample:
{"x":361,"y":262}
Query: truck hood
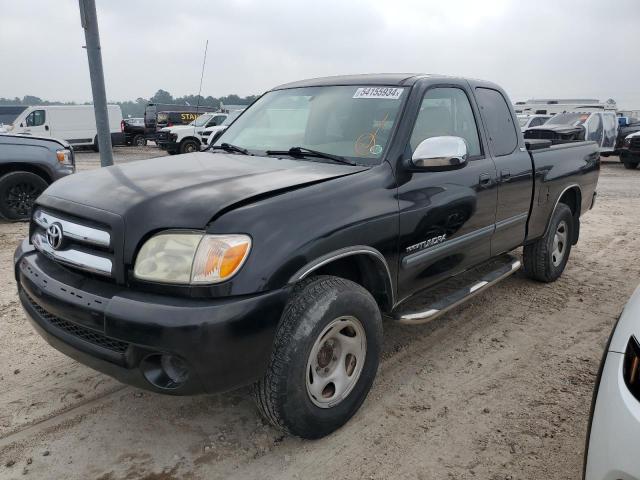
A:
{"x":184,"y":191}
{"x":558,"y":128}
{"x":179,"y":128}
{"x":633,"y":135}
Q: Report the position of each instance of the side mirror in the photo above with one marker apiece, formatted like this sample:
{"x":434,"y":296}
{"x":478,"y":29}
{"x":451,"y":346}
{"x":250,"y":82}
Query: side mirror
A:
{"x":440,"y":154}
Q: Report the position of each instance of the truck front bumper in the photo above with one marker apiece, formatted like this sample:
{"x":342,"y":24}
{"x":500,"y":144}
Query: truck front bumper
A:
{"x":165,"y":344}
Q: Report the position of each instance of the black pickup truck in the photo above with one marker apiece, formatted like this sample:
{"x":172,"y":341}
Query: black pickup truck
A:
{"x":271,"y":258}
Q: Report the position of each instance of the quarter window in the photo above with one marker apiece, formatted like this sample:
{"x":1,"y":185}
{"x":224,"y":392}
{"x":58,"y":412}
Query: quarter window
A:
{"x":498,"y":120}
{"x":446,"y":111}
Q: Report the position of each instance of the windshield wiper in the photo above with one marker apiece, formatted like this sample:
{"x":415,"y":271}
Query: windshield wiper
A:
{"x":307,"y":152}
{"x":227,"y":147}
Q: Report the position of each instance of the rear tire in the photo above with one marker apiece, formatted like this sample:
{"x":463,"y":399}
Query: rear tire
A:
{"x":630,"y":165}
{"x":545,"y":259}
{"x":324,"y":360}
{"x":95,"y":146}
{"x":18,"y":192}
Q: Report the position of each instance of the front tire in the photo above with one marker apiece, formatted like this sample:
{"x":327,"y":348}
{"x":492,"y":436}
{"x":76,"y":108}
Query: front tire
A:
{"x":545,"y":259}
{"x":324,"y":360}
{"x":18,"y":192}
{"x":139,"y":141}
{"x":189,"y":146}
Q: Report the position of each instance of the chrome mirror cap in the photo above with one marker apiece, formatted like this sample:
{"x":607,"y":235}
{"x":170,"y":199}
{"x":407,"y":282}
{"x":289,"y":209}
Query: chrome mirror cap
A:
{"x":441,"y":152}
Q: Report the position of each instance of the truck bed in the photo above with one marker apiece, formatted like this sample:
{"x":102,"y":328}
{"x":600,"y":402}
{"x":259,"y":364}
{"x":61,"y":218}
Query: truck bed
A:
{"x":552,"y":166}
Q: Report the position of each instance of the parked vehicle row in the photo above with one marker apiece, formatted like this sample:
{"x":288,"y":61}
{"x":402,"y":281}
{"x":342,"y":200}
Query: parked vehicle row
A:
{"x":271,"y":258}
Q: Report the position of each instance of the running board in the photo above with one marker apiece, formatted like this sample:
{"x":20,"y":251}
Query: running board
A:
{"x":441,"y":298}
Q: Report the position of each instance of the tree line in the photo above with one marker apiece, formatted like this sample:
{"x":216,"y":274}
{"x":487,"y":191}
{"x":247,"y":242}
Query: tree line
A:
{"x":135,"y":108}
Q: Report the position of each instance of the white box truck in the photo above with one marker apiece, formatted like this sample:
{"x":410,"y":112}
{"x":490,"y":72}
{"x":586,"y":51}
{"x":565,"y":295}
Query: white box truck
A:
{"x":74,"y":123}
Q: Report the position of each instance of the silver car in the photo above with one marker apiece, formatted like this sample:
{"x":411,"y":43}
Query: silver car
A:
{"x":614,"y":434}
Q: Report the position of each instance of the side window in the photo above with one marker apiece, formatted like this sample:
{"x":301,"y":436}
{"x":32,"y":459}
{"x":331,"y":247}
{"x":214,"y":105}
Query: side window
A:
{"x":497,"y":117}
{"x":446,"y":111}
{"x":35,"y":118}
{"x":594,"y":127}
{"x":217,"y":120}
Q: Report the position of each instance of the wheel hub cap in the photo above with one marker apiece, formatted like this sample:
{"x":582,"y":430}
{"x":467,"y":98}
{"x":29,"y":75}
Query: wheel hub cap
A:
{"x":335,"y":362}
{"x":559,"y":244}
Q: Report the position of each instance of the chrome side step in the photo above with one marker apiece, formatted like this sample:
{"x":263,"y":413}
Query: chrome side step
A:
{"x":441,"y":302}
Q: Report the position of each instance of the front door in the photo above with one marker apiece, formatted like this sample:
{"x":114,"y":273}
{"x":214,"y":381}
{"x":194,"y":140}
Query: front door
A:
{"x":36,"y":124}
{"x":446,"y":217}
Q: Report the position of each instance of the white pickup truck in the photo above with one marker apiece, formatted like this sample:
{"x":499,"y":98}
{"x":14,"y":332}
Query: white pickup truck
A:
{"x":188,"y":138}
{"x":211,"y":134}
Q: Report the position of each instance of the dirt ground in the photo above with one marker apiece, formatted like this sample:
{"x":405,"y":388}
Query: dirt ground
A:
{"x":497,"y":389}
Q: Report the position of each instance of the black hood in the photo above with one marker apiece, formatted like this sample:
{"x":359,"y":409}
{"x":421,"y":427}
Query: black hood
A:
{"x":185,"y":191}
{"x":562,"y":129}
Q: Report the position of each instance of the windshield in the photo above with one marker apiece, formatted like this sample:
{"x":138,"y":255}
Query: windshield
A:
{"x":522,"y":120}
{"x":232,"y":116}
{"x":201,"y":120}
{"x":349,"y":121}
{"x":574,"y":119}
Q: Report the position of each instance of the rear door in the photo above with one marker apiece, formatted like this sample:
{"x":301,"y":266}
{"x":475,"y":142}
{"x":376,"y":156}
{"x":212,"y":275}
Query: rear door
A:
{"x":446,"y":217}
{"x":513,"y":166}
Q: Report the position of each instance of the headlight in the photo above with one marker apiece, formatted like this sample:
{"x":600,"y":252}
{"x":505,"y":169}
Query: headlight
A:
{"x":173,"y":137}
{"x":191,"y":257}
{"x":627,"y":141}
{"x":631,"y":367}
{"x":64,"y":156}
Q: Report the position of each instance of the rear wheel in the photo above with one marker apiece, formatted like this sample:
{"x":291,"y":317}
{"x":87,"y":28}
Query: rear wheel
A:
{"x":324,"y":360}
{"x":189,"y":146}
{"x":630,"y":165}
{"x":18,"y":192}
{"x":139,"y":140}
{"x":95,"y":146}
{"x":545,"y":259}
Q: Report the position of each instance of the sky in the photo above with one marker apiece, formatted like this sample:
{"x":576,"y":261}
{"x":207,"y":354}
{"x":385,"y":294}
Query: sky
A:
{"x":534,"y":49}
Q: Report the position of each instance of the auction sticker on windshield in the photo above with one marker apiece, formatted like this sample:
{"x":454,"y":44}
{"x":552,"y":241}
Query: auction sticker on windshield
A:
{"x":379,"y":92}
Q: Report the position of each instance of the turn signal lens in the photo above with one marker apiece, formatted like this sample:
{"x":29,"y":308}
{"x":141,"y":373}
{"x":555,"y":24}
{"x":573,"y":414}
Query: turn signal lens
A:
{"x":631,"y":367}
{"x":64,"y":156}
{"x":219,"y":257}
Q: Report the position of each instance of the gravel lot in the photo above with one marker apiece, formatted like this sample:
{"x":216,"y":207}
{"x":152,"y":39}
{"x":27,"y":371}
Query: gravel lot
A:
{"x":499,"y":388}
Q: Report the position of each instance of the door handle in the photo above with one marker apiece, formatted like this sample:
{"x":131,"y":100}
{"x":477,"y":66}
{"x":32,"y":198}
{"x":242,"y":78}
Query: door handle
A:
{"x":484,"y":180}
{"x":46,"y":127}
{"x":505,"y":175}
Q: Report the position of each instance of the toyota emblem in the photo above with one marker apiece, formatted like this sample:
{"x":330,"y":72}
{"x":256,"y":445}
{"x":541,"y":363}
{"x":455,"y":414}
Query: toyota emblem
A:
{"x":54,"y":235}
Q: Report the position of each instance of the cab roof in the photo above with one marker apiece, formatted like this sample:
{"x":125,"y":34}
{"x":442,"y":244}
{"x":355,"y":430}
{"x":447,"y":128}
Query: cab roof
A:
{"x":386,"y":79}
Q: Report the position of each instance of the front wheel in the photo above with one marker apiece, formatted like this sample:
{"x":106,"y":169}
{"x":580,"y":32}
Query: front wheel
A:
{"x":139,"y":140}
{"x":545,"y":259}
{"x":18,"y":192}
{"x":325,"y":358}
{"x":189,"y":146}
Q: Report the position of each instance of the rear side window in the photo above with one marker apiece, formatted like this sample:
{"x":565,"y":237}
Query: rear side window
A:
{"x":497,"y":117}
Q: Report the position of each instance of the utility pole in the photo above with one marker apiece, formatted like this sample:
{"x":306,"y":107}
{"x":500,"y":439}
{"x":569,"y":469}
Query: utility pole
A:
{"x":89,"y":21}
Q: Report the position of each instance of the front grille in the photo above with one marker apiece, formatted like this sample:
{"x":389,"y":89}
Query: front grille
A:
{"x":78,"y":331}
{"x":162,"y":136}
{"x":635,"y":143}
{"x":74,"y":242}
